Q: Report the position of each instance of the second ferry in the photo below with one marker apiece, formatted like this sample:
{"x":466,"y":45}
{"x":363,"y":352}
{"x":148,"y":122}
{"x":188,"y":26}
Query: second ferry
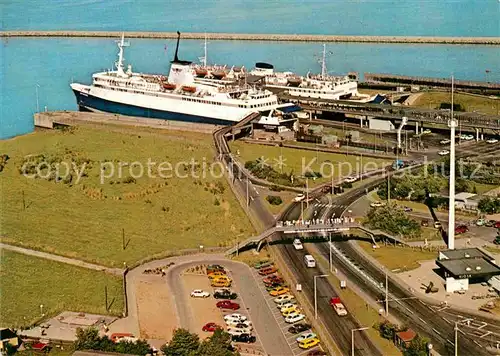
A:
{"x":181,"y":96}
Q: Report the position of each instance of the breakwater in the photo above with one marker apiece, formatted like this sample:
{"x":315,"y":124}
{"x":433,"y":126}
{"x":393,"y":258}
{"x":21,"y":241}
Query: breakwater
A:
{"x":263,"y":37}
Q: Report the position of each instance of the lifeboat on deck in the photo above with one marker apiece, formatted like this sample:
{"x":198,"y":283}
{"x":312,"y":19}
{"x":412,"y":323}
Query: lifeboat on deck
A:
{"x":169,"y":86}
{"x":189,"y":89}
{"x":201,"y":72}
{"x":237,"y":69}
{"x":294,"y":81}
{"x":219,"y":74}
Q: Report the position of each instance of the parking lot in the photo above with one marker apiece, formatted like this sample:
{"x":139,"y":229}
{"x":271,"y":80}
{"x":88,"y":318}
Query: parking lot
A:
{"x":282,"y":325}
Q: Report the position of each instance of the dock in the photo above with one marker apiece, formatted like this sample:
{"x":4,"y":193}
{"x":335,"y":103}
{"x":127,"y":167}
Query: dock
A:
{"x":55,"y":119}
{"x":262,"y":37}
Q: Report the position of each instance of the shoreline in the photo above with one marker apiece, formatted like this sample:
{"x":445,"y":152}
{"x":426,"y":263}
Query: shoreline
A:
{"x":495,"y":41}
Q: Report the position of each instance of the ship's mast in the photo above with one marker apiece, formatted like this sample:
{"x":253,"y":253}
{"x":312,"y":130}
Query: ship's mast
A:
{"x":203,"y":59}
{"x":119,"y":63}
{"x":323,"y":62}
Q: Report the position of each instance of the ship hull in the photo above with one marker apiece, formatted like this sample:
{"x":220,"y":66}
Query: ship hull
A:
{"x":88,"y":102}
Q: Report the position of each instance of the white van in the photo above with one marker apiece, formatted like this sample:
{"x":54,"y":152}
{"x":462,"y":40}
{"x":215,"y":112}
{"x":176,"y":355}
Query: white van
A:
{"x":297,"y":244}
{"x":310,"y":261}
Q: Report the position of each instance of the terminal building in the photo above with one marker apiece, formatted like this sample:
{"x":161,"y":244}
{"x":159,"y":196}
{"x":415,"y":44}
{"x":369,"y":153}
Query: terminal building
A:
{"x":461,"y":267}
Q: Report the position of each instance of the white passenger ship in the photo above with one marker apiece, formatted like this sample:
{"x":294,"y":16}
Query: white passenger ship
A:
{"x":181,"y":97}
{"x":320,"y":86}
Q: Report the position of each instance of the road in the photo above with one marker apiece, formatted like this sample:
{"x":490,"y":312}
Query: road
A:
{"x":423,"y":318}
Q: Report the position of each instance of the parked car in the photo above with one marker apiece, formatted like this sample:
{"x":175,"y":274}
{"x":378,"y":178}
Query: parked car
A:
{"x":293,"y":308}
{"x":407,"y":209}
{"x":274,"y":278}
{"x":461,"y":229}
{"x":272,"y":286}
{"x":351,"y":179}
{"x":235,"y":322}
{"x":246,"y":338}
{"x":497,"y":225}
{"x":284,"y":297}
{"x":490,"y":223}
{"x":291,"y":319}
{"x":210,"y":327}
{"x":283,"y":307}
{"x":308,"y":343}
{"x":225,"y":294}
{"x":199,"y":293}
{"x":424,"y":223}
{"x":317,"y":353}
{"x":298,"y":328}
{"x":444,"y":153}
{"x":261,"y":264}
{"x":305,"y":336}
{"x":377,"y":204}
{"x":227,"y":304}
{"x":445,"y":141}
{"x":437,"y":225}
{"x":290,"y":312}
{"x":279,"y":291}
{"x":492,"y":140}
{"x":216,"y":274}
{"x":427,"y":131}
{"x":238,"y":331}
{"x":235,"y":317}
{"x":480,"y":222}
{"x":268,"y":270}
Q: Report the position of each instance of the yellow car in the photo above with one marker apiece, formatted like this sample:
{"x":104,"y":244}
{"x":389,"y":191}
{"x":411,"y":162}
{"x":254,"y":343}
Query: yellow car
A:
{"x":216,"y":275}
{"x":279,"y":291}
{"x":289,"y":309}
{"x":308,"y":343}
{"x":286,"y":313}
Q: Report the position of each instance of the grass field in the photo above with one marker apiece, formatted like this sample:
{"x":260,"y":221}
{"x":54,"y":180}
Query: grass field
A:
{"x":402,"y":258}
{"x":296,"y":161}
{"x":28,"y":282}
{"x":89,"y":220}
{"x":364,"y":313}
{"x":432,"y":100}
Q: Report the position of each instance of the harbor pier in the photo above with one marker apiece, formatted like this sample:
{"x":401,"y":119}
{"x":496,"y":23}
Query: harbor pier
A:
{"x":262,"y":37}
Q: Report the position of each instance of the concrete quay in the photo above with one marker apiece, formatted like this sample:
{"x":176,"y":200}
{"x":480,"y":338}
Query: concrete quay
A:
{"x":262,"y":37}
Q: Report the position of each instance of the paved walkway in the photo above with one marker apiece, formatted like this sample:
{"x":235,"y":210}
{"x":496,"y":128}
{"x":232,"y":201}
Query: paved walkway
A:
{"x":57,"y":258}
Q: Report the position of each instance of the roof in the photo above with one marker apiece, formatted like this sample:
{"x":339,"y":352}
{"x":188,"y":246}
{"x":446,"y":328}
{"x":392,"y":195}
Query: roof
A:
{"x":464,"y":253}
{"x":98,"y":353}
{"x":469,"y":267}
{"x":407,"y":335}
{"x":464,"y":196}
{"x":289,"y":108}
{"x":7,"y":334}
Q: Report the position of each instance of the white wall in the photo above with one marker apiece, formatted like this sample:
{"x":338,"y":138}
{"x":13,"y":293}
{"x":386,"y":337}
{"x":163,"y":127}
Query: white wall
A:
{"x":453,"y":284}
{"x":382,"y":125}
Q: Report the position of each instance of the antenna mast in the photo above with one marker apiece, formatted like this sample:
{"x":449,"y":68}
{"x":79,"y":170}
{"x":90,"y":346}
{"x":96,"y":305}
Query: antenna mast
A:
{"x":205,"y":52}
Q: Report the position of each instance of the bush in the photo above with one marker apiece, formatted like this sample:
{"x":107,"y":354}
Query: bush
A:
{"x":129,"y":180}
{"x":274,"y":200}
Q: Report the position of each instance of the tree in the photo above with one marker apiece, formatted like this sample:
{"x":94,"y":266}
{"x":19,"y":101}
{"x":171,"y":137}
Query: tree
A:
{"x":219,"y":344}
{"x":489,"y":205}
{"x":87,"y":339}
{"x":387,"y":330}
{"x":183,"y":343}
{"x":417,"y":347}
{"x":393,"y":219}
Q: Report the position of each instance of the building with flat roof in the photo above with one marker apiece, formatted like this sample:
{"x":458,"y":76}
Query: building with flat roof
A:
{"x":460,"y":267}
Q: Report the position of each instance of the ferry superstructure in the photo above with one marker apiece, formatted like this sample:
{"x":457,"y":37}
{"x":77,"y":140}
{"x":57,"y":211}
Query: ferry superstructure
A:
{"x":180,"y":97}
{"x":321,"y":86}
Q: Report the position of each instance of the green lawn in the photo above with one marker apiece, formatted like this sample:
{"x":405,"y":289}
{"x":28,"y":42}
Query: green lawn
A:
{"x":28,"y":282}
{"x":402,"y":258}
{"x":432,"y":100}
{"x":297,"y":161}
{"x":86,"y":219}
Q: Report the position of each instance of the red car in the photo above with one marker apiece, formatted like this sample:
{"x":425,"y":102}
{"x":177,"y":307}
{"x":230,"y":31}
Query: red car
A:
{"x":273,"y":279}
{"x":461,"y":229}
{"x":268,"y":270}
{"x":227,"y":304}
{"x":497,"y":225}
{"x":210,"y":327}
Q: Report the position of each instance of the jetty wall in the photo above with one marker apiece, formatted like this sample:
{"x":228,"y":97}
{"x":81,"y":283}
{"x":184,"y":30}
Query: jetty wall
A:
{"x":262,"y":37}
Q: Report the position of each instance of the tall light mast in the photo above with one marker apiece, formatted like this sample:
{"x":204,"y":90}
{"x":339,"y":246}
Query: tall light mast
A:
{"x":452,"y":123}
{"x":119,"y":64}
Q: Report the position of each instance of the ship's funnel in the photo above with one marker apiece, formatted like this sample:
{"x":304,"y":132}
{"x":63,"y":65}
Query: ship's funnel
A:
{"x":176,"y":58}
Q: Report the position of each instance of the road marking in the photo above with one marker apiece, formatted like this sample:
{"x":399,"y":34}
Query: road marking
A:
{"x":449,"y":322}
{"x":437,"y":332}
{"x":450,"y":342}
{"x":422,"y":320}
{"x":411,"y":312}
{"x":477,"y":343}
{"x":482,"y":326}
{"x":487,"y":333}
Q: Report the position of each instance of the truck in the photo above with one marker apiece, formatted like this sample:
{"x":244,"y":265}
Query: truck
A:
{"x":337,"y":305}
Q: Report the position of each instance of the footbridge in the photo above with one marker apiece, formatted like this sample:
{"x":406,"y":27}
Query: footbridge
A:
{"x":341,"y":226}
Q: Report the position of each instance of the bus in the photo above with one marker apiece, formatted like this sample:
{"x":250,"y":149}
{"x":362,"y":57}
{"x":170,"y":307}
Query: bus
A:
{"x":309,"y":260}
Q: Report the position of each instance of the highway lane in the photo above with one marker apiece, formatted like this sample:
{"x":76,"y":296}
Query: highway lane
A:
{"x":338,"y":327}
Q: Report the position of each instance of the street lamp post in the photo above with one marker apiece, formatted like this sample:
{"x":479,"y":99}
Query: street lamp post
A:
{"x":352,"y":337}
{"x":456,"y":338}
{"x":330,"y":249}
{"x":316,"y":295}
{"x":37,"y":103}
